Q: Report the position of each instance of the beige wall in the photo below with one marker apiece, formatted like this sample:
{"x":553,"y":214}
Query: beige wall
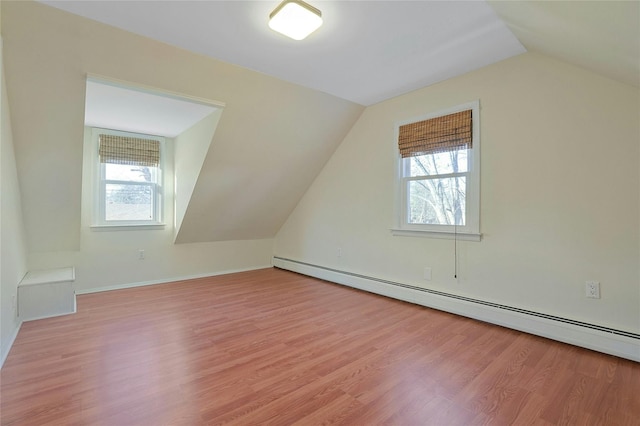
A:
{"x":13,"y":252}
{"x":559,"y":195}
{"x":190,"y":150}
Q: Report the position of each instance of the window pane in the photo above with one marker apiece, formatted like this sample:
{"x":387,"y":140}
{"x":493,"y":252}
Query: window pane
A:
{"x":129,"y":202}
{"x":439,"y":163}
{"x":130,"y":173}
{"x":437,"y":201}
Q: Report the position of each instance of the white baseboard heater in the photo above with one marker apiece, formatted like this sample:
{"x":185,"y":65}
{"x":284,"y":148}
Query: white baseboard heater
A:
{"x":592,"y":336}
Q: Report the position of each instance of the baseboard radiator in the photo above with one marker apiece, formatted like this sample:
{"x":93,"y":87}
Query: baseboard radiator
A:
{"x":620,"y":343}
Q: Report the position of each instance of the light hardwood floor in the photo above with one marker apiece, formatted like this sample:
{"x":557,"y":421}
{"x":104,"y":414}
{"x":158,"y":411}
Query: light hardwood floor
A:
{"x":271,"y":347}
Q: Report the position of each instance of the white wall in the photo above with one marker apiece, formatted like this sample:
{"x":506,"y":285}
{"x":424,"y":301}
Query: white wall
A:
{"x":110,"y":258}
{"x":13,"y":251}
{"x":559,"y":195}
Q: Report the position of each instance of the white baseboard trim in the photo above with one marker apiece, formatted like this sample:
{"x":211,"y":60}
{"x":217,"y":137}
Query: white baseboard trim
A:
{"x":614,"y":342}
{"x":12,"y":339}
{"x":168,"y":280}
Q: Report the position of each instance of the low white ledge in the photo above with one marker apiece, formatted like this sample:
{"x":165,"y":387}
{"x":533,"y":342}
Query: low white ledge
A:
{"x":46,"y":293}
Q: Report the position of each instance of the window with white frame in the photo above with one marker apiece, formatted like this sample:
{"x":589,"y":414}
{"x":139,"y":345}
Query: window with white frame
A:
{"x":129,"y":178}
{"x":439,"y":174}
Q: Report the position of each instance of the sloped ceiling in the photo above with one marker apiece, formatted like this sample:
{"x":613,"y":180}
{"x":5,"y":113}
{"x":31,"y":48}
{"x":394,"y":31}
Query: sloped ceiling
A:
{"x":365,"y":52}
{"x":603,"y":36}
{"x":368,"y":51}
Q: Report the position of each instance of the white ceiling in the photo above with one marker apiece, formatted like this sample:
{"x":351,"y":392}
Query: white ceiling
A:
{"x":111,"y":106}
{"x":365,"y":52}
{"x":369,"y":51}
{"x":603,"y":36}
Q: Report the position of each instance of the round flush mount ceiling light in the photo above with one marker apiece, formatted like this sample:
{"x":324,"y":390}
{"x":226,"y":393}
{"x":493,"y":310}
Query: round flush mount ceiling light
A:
{"x":295,"y":19}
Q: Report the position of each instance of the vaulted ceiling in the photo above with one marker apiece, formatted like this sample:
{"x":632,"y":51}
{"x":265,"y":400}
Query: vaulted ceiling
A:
{"x":365,"y":52}
{"x":288,"y":104}
{"x":603,"y":36}
{"x":368,"y":51}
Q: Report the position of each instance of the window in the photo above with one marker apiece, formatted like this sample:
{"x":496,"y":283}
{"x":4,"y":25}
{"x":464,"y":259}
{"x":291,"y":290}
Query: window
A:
{"x":129,"y":178}
{"x":439,"y":173}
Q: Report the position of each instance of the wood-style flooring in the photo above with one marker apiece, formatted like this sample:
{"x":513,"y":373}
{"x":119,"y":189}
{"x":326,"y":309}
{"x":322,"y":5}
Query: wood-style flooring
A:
{"x":271,"y":347}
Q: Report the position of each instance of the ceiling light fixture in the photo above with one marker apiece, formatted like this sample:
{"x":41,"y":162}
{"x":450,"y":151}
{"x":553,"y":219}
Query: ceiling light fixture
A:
{"x":295,"y":19}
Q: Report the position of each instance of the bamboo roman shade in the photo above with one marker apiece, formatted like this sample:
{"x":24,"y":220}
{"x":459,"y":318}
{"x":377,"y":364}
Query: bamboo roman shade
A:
{"x":129,"y":151}
{"x":440,"y":134}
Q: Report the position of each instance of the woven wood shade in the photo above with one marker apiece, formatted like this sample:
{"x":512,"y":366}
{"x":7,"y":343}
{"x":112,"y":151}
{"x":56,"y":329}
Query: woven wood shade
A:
{"x":129,"y":151}
{"x":441,"y":134}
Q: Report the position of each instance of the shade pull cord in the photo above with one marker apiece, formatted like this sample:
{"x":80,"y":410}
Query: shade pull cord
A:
{"x":455,"y":249}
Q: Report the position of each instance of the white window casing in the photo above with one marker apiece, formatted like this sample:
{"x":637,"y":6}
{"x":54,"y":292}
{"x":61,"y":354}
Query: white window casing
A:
{"x":462,"y":225}
{"x":128,"y":180}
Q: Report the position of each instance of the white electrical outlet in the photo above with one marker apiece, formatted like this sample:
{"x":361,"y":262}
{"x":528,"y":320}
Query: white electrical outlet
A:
{"x":592,"y":289}
{"x":427,"y":274}
{"x":339,"y":252}
{"x":140,"y":254}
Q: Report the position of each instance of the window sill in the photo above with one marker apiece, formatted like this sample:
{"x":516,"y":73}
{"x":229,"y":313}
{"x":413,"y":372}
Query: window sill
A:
{"x":132,"y":227}
{"x":461,"y":236}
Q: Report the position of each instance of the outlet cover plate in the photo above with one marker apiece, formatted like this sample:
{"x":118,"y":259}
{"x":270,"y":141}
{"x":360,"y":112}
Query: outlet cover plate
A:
{"x":427,"y":274}
{"x":592,"y":289}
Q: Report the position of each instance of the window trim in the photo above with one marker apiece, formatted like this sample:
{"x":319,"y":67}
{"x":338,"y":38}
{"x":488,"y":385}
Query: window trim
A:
{"x":469,"y":232}
{"x":99,"y":184}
